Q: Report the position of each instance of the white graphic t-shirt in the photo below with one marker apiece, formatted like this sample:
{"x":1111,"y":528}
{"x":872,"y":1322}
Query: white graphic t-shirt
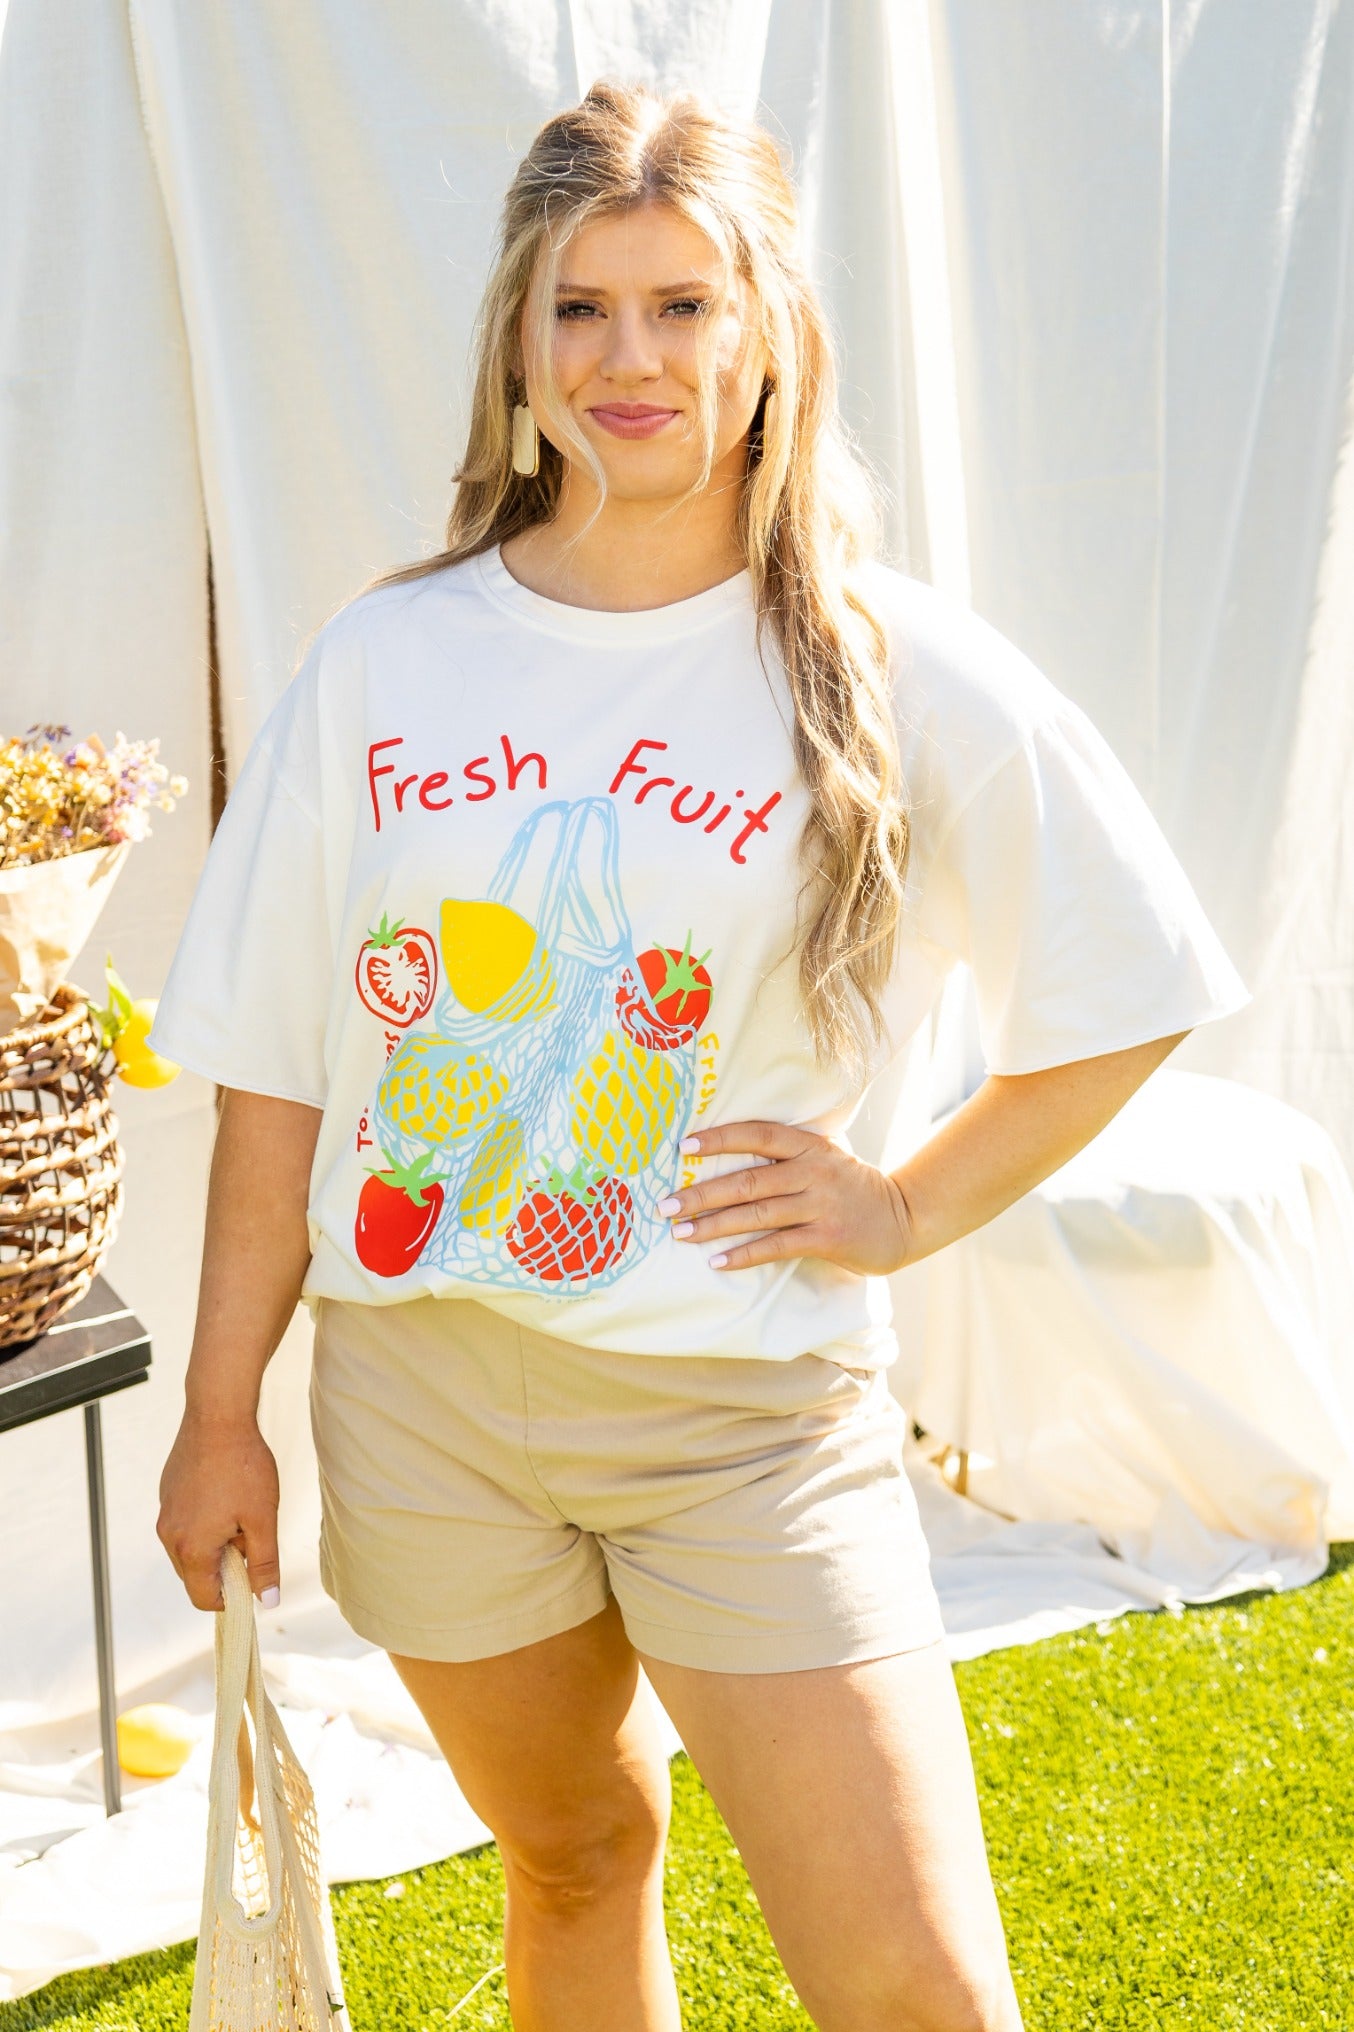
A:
{"x":507,"y":889}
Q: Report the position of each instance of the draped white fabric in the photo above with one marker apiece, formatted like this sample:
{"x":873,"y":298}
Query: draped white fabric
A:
{"x":1155,"y":1340}
{"x":1090,"y":271}
{"x":1150,"y":211}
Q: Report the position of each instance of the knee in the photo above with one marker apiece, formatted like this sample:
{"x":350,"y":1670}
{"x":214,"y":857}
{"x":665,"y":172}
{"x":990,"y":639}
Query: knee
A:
{"x":943,"y":1996}
{"x":962,"y":2006}
{"x":565,"y":1871}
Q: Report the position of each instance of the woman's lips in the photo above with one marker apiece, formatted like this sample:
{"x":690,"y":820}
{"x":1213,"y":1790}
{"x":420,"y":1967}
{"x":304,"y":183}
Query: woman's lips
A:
{"x":632,"y":419}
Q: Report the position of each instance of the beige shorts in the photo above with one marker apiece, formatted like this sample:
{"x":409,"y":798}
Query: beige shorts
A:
{"x":485,"y":1486}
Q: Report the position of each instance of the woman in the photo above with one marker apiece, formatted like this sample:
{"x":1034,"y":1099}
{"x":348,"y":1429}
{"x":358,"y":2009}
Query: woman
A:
{"x":565,"y":906}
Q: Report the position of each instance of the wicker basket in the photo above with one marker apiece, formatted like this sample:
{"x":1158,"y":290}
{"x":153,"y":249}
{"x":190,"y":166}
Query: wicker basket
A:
{"x":60,"y":1164}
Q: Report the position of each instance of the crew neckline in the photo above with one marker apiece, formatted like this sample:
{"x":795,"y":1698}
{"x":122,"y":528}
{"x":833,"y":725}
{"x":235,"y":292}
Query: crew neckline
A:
{"x":670,"y":623}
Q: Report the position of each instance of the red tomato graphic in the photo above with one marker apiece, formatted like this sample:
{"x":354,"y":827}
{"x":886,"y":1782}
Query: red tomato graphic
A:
{"x":397,"y":1210}
{"x":571,"y":1225}
{"x":671,"y":1002}
{"x":397,"y":972}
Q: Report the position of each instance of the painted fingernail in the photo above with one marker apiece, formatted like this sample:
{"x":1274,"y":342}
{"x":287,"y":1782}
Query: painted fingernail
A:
{"x":670,"y":1205}
{"x":683,"y":1228}
{"x":270,"y":1597}
{"x":716,"y":1262}
{"x":688,"y":1144}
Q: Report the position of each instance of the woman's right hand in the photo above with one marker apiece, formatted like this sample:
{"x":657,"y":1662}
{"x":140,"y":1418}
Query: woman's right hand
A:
{"x":219,"y":1487}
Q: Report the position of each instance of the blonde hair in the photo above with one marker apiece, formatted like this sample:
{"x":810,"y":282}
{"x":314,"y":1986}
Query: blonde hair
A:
{"x":806,"y":512}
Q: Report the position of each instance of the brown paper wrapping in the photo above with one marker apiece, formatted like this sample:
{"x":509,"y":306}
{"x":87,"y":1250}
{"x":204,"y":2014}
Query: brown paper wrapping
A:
{"x":47,"y":912}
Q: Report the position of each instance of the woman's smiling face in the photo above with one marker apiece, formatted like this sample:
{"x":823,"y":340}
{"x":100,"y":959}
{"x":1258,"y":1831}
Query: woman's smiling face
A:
{"x":638,"y":301}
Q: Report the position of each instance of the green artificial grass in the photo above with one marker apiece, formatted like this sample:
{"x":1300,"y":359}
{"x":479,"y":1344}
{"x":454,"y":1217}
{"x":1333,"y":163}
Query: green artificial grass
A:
{"x":1169,"y":1804}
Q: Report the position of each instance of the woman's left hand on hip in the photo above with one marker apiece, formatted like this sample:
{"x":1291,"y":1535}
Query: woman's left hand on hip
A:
{"x":810,"y":1196}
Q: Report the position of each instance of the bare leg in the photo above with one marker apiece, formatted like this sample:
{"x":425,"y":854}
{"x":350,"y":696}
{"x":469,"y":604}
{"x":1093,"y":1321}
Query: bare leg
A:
{"x":850,"y":1793}
{"x":559,"y":1755}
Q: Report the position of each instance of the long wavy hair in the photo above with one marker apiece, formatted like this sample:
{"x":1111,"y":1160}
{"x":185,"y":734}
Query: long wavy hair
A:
{"x":807,"y":514}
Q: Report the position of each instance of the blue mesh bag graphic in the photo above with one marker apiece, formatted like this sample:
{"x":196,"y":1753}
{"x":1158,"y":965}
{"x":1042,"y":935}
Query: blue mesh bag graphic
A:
{"x":547,"y":1090}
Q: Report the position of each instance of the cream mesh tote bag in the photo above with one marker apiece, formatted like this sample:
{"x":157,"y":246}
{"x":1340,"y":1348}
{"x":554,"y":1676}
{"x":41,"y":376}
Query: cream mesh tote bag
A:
{"x":266,"y":1959}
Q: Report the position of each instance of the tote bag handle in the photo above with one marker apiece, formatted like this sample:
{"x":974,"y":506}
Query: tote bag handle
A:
{"x":237,"y":1773}
{"x":566,"y":918}
{"x":591,"y":848}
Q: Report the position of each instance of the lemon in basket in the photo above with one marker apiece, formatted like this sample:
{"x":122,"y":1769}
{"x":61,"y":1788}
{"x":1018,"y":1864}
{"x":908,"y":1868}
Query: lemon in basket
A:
{"x":495,"y":963}
{"x":436,"y":1091}
{"x":624,"y":1103}
{"x":494,"y":1183}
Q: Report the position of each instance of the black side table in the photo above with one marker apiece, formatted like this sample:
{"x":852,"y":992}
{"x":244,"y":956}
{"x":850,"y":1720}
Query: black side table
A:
{"x":92,"y":1350}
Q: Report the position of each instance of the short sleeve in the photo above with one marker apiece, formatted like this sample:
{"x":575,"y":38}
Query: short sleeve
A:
{"x":246,"y":998}
{"x":1056,"y":885}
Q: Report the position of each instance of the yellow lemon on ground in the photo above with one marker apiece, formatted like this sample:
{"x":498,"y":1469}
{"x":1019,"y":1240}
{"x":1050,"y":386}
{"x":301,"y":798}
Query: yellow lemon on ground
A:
{"x":138,"y":1064}
{"x":155,"y":1741}
{"x":624,"y":1102}
{"x":487,"y":949}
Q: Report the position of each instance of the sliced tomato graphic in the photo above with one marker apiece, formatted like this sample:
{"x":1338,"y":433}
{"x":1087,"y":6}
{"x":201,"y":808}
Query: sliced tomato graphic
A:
{"x":397,"y":1210}
{"x":670,"y":1001}
{"x":571,"y":1225}
{"x":397,"y":972}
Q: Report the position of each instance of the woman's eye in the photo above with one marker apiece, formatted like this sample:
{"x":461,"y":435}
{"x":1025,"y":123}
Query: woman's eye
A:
{"x":572,"y":312}
{"x":687,"y":306}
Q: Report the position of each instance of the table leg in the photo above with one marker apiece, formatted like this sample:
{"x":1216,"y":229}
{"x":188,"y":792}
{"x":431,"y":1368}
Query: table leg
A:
{"x":103,"y":1608}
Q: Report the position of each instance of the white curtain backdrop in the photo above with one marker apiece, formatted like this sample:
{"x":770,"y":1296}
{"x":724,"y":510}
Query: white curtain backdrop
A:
{"x":1150,"y":215}
{"x":1090,"y":270}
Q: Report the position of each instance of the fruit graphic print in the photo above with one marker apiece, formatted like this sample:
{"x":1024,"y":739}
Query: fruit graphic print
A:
{"x":397,"y":972}
{"x":527,"y":1120}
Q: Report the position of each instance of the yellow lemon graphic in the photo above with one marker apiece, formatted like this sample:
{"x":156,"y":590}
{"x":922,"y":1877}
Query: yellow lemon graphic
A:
{"x":624,"y":1103}
{"x":494,"y":961}
{"x":433,"y":1090}
{"x":495,"y":1180}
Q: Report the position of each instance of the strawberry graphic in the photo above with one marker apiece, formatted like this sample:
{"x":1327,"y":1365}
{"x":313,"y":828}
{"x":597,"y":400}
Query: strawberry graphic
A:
{"x":397,"y":972}
{"x":670,"y":1001}
{"x":571,"y":1224}
{"x":397,"y":1210}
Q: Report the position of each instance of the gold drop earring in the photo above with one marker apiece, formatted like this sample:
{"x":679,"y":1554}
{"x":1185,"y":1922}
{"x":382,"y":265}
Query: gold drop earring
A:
{"x":526,"y":442}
